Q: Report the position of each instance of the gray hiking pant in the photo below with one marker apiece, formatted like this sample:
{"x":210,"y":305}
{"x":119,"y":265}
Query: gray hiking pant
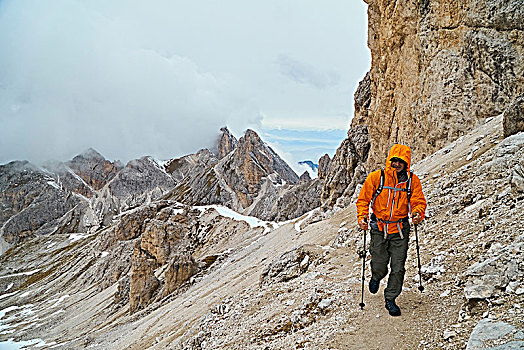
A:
{"x":393,"y":251}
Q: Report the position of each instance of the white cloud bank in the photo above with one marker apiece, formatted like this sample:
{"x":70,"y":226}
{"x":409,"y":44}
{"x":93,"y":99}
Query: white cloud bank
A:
{"x":71,"y":79}
{"x":159,"y":78}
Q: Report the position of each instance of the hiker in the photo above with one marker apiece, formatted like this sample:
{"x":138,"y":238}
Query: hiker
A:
{"x":389,"y":220}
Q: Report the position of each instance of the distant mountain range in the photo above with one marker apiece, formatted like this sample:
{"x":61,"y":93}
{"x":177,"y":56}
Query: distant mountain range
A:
{"x":85,"y":193}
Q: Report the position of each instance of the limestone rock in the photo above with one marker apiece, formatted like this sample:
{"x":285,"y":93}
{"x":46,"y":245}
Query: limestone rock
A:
{"x":163,"y":233}
{"x":226,"y":143}
{"x":142,"y":180}
{"x":253,"y":160}
{"x":249,"y":178}
{"x":202,"y":186}
{"x":287,"y":202}
{"x":143,"y":284}
{"x":362,"y":97}
{"x":493,"y":274}
{"x":180,"y":270}
{"x":487,"y":331}
{"x":323,"y":166}
{"x":514,"y":117}
{"x":131,"y":225}
{"x":347,"y":170}
{"x":289,"y":265}
{"x":94,"y":169}
{"x":121,"y":296}
{"x":517,"y":177}
{"x":31,"y":201}
{"x":84,"y":174}
{"x":305,"y":177}
{"x":438,"y":69}
{"x":434,"y":267}
{"x":180,"y":168}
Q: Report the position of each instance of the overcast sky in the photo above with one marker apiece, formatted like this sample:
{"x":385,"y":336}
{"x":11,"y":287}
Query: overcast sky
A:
{"x":134,"y":78}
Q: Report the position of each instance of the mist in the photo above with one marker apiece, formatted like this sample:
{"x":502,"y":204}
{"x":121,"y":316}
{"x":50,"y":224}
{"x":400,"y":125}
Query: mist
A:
{"x":130,"y":78}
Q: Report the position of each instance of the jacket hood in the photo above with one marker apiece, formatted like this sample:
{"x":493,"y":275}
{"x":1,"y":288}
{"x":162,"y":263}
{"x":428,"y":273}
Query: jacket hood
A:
{"x":399,"y":151}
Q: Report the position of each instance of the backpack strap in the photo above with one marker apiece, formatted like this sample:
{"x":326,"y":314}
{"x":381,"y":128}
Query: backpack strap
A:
{"x":379,"y":189}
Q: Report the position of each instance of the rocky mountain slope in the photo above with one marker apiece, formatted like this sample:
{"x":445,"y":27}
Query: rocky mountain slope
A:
{"x":99,"y":255}
{"x":168,"y":276}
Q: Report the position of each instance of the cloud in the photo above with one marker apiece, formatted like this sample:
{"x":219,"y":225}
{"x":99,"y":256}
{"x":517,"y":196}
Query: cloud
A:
{"x":132,"y":78}
{"x":305,"y":74}
{"x":307,"y":121}
{"x":73,"y":77}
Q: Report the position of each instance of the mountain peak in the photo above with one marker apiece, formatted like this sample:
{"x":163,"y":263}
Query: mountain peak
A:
{"x":252,"y":136}
{"x":226,"y":143}
{"x":90,"y":153}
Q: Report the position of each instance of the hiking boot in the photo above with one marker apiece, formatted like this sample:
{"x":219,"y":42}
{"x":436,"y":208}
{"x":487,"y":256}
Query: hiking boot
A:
{"x":392,"y":307}
{"x":373,"y":286}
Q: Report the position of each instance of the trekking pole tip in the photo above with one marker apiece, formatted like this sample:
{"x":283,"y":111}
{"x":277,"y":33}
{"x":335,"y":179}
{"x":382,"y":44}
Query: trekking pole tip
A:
{"x":421,"y":288}
{"x":362,"y":306}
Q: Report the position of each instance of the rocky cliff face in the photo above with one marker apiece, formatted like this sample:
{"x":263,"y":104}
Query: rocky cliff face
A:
{"x":346,"y":170}
{"x":32,"y":202}
{"x":93,"y":169}
{"x":439,"y":68}
{"x":249,"y":177}
{"x":226,"y":143}
{"x":85,"y":174}
{"x":252,"y":161}
{"x":140,"y":181}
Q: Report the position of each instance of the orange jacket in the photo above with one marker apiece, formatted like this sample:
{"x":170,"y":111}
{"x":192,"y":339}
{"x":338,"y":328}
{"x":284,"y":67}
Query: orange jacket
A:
{"x":391,"y":205}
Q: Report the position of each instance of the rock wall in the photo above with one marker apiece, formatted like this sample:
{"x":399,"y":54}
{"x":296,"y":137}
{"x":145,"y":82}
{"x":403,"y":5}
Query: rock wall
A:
{"x":438,"y":69}
{"x":346,"y":170}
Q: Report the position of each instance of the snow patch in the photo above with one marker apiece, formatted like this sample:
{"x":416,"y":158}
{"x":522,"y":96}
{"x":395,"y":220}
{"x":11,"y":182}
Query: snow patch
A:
{"x":475,"y":205}
{"x":28,"y":273}
{"x":59,"y":300}
{"x":228,"y":213}
{"x":37,"y":343}
{"x":298,"y":223}
{"x":7,"y":295}
{"x":104,"y":254}
{"x":9,"y":286}
{"x":75,"y":237}
{"x":160,"y":164}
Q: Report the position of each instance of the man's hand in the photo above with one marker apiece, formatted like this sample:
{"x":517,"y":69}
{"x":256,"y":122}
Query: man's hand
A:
{"x":363,"y":224}
{"x":416,"y":218}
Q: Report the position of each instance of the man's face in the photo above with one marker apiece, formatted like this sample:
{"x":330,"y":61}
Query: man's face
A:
{"x":398,"y":164}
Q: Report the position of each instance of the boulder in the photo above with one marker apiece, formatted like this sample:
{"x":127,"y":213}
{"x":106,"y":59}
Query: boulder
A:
{"x":513,"y":121}
{"x":289,"y":265}
{"x":180,"y":270}
{"x":143,"y":284}
{"x":487,"y":332}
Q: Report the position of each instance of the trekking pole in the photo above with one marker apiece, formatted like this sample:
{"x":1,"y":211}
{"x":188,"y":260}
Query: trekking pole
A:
{"x":363,"y":271}
{"x":418,"y":258}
